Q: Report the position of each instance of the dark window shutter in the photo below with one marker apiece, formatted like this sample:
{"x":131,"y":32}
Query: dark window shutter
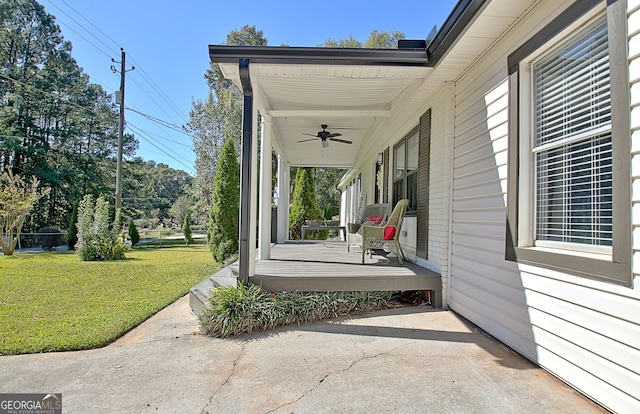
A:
{"x":385,"y":176}
{"x":424,"y":150}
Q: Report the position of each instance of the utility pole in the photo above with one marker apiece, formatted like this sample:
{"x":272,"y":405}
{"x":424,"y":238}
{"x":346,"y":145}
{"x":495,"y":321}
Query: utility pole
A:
{"x":120,"y":102}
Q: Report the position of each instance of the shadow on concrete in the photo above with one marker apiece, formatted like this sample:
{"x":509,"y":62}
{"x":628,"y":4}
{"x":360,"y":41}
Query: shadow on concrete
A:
{"x":473,"y":334}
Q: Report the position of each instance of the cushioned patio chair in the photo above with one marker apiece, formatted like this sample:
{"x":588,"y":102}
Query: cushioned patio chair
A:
{"x":373,"y":235}
{"x":372,"y":214}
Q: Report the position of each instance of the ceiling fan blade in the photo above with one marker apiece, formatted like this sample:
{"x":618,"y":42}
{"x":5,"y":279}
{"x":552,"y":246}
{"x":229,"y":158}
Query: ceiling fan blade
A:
{"x":334,"y":134}
{"x":310,"y":139}
{"x":311,"y":135}
{"x":344,"y":141}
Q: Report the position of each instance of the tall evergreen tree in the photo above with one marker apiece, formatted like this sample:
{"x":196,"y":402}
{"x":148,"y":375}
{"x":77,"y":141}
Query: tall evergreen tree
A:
{"x":225,"y":209}
{"x":134,"y":236}
{"x":304,"y":206}
{"x":72,"y":231}
{"x":217,"y":119}
{"x":186,"y":230}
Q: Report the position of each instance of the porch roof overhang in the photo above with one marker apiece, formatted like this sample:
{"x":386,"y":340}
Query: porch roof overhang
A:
{"x":350,"y":90}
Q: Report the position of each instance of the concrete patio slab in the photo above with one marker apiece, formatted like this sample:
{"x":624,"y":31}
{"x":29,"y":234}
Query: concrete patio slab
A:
{"x":403,"y":360}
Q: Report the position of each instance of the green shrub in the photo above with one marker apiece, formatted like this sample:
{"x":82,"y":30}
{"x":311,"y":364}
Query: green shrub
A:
{"x":134,"y":236}
{"x":244,"y":309}
{"x":327,"y":212}
{"x":224,"y":214}
{"x":97,"y":239}
{"x":186,"y":230}
{"x":49,"y":238}
{"x":72,"y":232}
{"x":113,"y":248}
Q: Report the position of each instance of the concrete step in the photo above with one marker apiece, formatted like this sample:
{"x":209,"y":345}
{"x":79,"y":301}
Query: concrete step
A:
{"x":200,"y":293}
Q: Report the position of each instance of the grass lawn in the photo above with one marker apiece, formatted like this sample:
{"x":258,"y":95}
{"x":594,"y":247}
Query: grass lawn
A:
{"x":53,"y":302}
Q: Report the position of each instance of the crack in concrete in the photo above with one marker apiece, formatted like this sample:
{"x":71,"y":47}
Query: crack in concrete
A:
{"x":124,"y":341}
{"x":342,"y":371}
{"x":226,"y":381}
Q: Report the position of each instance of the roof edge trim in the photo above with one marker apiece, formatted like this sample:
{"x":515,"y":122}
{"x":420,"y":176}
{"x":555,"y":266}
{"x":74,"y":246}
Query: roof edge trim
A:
{"x":459,"y":18}
{"x":318,"y":55}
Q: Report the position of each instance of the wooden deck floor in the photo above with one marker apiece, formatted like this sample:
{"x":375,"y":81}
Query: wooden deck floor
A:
{"x":327,"y":266}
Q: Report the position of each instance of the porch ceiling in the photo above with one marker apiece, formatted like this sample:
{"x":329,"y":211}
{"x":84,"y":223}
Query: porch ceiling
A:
{"x":349,"y":99}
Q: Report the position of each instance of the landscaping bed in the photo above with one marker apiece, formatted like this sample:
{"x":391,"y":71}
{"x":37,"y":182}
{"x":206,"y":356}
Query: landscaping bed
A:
{"x":247,"y":308}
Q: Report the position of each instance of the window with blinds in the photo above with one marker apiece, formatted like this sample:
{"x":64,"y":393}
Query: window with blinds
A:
{"x":572,"y":142}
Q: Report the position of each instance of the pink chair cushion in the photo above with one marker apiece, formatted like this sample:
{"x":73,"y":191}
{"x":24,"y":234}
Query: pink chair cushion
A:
{"x":375,"y":219}
{"x":389,"y":232}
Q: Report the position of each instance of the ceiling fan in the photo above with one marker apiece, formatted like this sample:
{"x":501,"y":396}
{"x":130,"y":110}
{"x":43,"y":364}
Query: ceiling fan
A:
{"x":327,"y":136}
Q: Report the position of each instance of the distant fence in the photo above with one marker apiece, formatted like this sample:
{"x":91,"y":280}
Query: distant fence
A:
{"x":53,"y":239}
{"x":42,"y":240}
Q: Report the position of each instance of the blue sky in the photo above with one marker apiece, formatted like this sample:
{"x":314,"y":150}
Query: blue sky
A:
{"x":167,"y":42}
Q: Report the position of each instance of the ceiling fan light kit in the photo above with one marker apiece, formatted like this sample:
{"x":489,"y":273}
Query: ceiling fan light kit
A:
{"x":326,"y":136}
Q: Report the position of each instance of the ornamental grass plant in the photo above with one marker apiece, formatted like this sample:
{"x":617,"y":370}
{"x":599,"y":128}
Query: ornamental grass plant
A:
{"x":247,"y":308}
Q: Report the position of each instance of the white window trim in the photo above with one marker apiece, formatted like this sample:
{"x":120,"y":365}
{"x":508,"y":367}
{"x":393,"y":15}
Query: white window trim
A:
{"x":606,"y":264}
{"x":529,"y":149}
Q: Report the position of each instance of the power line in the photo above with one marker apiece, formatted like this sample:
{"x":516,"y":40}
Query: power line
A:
{"x":152,"y":100}
{"x":159,"y":143}
{"x":164,"y":123}
{"x":85,"y":39}
{"x":92,"y":33}
{"x":151,"y":141}
{"x":161,"y":137}
{"x":144,"y":75}
{"x":84,"y":28}
{"x":91,"y":23}
{"x":160,"y":92}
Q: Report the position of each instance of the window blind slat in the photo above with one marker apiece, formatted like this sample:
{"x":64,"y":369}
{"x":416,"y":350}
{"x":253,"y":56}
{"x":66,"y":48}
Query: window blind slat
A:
{"x":573,"y":69}
{"x":550,"y":104}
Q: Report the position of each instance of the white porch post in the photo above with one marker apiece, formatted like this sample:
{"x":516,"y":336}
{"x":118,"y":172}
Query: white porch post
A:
{"x":283,"y":199}
{"x":343,"y":208}
{"x":264,"y":253}
{"x":254,"y":190}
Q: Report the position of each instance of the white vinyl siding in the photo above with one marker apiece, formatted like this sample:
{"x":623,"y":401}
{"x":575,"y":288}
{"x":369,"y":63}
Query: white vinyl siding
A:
{"x":584,"y":331}
{"x":440,"y":103}
{"x":439,"y":183}
{"x":439,"y":178}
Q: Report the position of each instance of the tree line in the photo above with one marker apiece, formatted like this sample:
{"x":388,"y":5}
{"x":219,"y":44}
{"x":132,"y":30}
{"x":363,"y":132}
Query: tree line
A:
{"x":56,"y":125}
{"x":59,"y":127}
